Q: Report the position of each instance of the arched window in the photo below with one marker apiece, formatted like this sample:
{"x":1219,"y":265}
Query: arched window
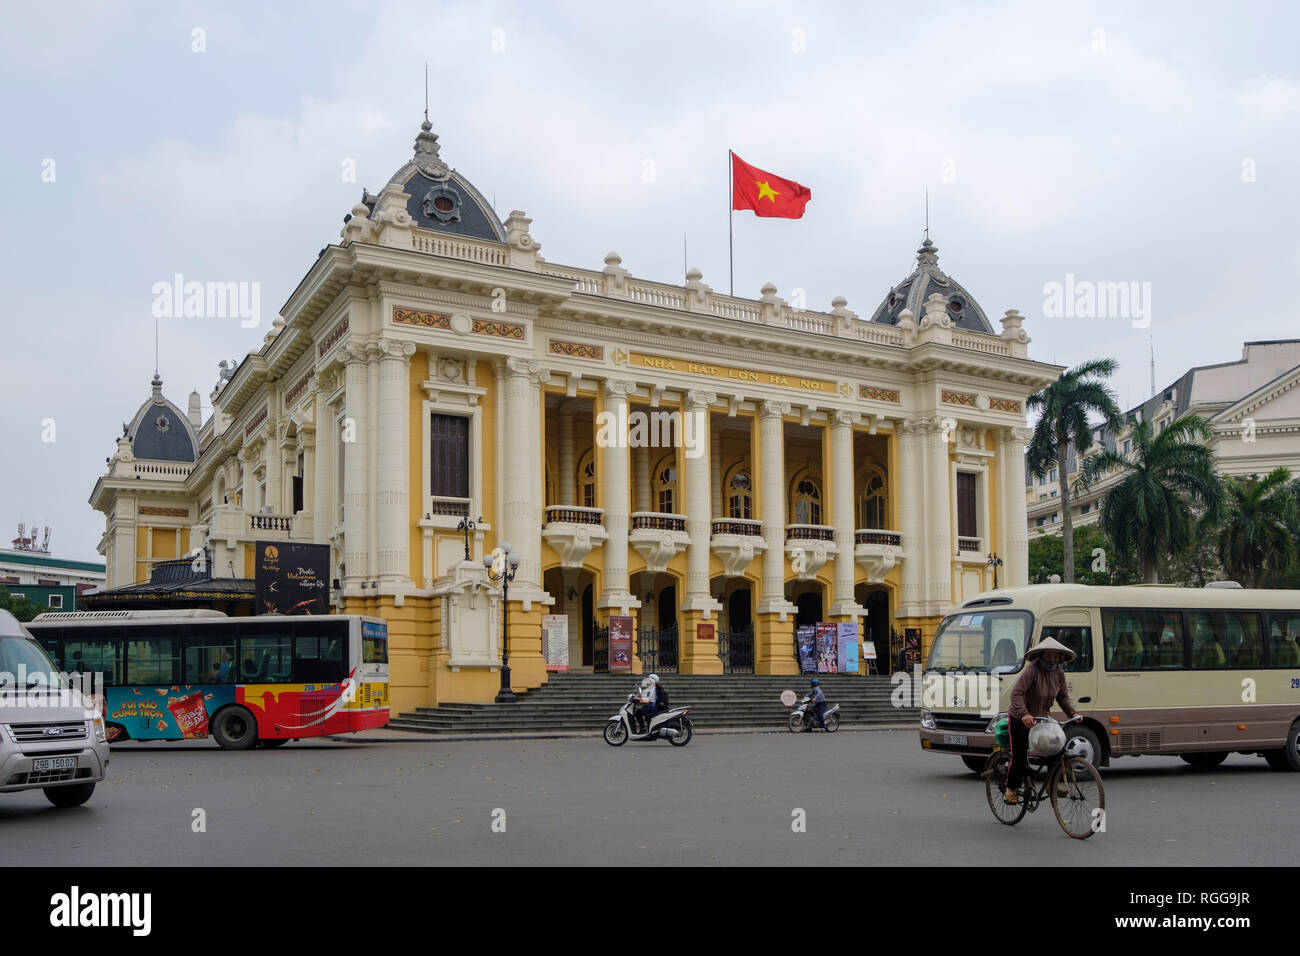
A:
{"x":807,"y":502}
{"x":740,"y":492}
{"x":587,"y":480}
{"x":666,"y":485}
{"x":871,"y":501}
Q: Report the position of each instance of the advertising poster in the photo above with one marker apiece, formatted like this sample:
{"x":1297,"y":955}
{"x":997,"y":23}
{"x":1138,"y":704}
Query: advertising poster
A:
{"x":620,"y":645}
{"x":291,"y":578}
{"x":848,"y":640}
{"x":705,"y":632}
{"x":807,"y":649}
{"x":166,"y":713}
{"x":826,"y":661}
{"x":555,"y":641}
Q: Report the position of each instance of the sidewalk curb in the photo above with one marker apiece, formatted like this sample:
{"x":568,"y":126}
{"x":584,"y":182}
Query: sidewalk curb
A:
{"x":415,"y":736}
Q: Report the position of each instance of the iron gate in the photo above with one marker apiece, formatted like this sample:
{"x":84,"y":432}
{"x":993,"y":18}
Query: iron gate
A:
{"x":600,"y":650}
{"x":658,"y":649}
{"x":736,"y":649}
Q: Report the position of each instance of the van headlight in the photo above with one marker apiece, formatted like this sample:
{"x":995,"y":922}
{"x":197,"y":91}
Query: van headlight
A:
{"x":992,"y":727}
{"x":100,"y":733}
{"x":927,"y":721}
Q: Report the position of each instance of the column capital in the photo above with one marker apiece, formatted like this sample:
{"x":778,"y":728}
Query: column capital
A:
{"x":844,"y":417}
{"x":355,"y":353}
{"x":390,"y":348}
{"x":698,"y":398}
{"x":915,"y":426}
{"x":771,"y":409}
{"x":618,"y":388}
{"x":1017,"y":434}
{"x":530,"y":368}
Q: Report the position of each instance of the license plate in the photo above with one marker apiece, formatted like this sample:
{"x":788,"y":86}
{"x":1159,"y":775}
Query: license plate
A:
{"x":958,"y":739}
{"x":54,"y":763}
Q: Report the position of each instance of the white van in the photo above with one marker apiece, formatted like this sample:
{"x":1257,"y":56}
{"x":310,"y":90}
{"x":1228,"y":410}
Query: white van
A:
{"x":51,"y":736}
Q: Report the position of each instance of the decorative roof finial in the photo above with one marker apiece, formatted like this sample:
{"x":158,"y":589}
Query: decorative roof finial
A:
{"x":426,"y":153}
{"x":928,"y":254}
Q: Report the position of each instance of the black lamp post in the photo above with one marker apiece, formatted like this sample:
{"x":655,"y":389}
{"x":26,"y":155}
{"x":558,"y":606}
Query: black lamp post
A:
{"x":995,"y":562}
{"x":467,"y":526}
{"x":509,"y":567}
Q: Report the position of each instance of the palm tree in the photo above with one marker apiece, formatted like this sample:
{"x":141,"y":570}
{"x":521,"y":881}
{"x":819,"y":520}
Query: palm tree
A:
{"x":1257,"y":534}
{"x":1066,"y":405}
{"x":1170,"y":483}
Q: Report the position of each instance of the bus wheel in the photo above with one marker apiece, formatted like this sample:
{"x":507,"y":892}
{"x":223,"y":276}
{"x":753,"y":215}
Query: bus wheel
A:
{"x":272,"y":742}
{"x":1288,"y":757}
{"x":234,"y":728}
{"x":1205,"y":760}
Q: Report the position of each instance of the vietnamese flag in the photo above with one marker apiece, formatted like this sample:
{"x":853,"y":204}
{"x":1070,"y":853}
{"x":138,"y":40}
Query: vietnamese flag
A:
{"x":767,"y":195}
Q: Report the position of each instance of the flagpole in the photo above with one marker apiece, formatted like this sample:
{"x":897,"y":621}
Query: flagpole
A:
{"x":731,"y":243}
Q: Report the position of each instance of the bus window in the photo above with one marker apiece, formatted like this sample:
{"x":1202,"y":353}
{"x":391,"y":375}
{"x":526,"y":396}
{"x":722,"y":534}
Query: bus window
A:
{"x":265,"y":653}
{"x":1225,"y":639}
{"x":96,"y":655}
{"x":1143,"y":640}
{"x":1077,"y":639}
{"x":989,"y":641}
{"x":318,"y":651}
{"x":51,"y":638}
{"x":374,"y":643}
{"x":210,"y":654}
{"x":1283,"y":630}
{"x":153,"y":656}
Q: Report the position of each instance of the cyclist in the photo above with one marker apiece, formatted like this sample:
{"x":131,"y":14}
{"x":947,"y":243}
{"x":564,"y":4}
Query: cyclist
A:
{"x":1041,"y":683}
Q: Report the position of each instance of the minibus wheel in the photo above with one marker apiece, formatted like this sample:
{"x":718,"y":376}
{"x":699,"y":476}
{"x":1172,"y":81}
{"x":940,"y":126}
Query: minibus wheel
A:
{"x":234,"y":728}
{"x":1082,"y":742}
{"x":1288,"y":757}
{"x":1205,"y":760}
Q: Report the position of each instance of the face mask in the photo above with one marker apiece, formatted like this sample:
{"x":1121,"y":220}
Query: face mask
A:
{"x":1050,"y":665}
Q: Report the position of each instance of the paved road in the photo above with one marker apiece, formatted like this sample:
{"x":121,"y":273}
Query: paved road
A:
{"x":871,"y":798}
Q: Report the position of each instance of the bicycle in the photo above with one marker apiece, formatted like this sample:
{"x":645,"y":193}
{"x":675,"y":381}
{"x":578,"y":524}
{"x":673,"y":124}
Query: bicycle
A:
{"x":1071,"y":783}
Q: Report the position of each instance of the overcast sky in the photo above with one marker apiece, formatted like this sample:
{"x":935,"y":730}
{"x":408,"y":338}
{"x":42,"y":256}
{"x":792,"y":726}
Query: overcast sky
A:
{"x":1154,"y":144}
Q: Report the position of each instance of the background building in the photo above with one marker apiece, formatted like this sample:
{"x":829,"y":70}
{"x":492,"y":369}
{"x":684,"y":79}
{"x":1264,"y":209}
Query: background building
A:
{"x":28,"y":570}
{"x":434,"y":369}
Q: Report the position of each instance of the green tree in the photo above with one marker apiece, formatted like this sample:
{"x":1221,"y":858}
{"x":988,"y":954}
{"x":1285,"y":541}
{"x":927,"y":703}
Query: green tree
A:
{"x":1065,"y":406}
{"x":1169,"y":479}
{"x":19,"y":607}
{"x":1047,"y":557}
{"x":1256,"y":537}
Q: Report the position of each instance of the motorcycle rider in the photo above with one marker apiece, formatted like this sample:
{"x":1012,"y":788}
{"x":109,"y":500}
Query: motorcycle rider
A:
{"x":818,"y":703}
{"x":649,"y":703}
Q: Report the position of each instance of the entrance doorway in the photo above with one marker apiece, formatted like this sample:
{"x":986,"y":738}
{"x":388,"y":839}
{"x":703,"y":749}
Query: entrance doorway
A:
{"x":810,"y":609}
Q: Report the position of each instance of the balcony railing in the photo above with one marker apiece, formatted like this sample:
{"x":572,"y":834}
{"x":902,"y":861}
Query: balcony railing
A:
{"x":265,"y":522}
{"x":970,"y":544}
{"x":809,"y":532}
{"x":443,"y":505}
{"x":745,"y":526}
{"x":569,"y":514}
{"x":657,"y":521}
{"x":876,"y":536}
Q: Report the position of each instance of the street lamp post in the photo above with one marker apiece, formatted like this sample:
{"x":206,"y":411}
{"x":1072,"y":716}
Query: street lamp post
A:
{"x":467,"y":526}
{"x":503,"y":575}
{"x":995,"y":562}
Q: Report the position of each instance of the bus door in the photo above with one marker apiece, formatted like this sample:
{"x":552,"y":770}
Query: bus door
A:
{"x":1075,"y":628}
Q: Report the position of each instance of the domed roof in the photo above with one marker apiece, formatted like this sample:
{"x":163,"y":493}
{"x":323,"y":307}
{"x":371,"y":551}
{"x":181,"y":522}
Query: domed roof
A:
{"x":441,"y":198}
{"x":160,"y":431}
{"x":926,"y":279}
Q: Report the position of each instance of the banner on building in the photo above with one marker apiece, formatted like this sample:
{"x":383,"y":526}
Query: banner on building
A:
{"x":826,"y":660}
{"x":807,"y":649}
{"x":911,"y":648}
{"x":291,"y":578}
{"x":620,"y":644}
{"x":848,"y":641}
{"x":555,"y":641}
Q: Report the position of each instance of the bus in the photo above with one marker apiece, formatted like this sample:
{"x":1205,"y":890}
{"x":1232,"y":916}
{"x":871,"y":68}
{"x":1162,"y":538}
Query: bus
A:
{"x":174,"y":675}
{"x":1193,"y":672}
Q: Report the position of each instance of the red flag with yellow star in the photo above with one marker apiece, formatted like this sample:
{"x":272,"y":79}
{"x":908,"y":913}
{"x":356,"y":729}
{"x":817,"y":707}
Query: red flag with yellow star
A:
{"x":767,"y":195}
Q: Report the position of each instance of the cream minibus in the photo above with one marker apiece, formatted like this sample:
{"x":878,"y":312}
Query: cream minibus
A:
{"x":1197,"y":673}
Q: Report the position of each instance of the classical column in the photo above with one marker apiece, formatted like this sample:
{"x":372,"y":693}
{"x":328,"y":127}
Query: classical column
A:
{"x":715,"y":470}
{"x":566,"y":481}
{"x":938,"y":517}
{"x":323,"y":466}
{"x":1014,"y":532}
{"x":773,"y":511}
{"x":641,"y":479}
{"x":908,"y":484}
{"x":521,"y":516}
{"x":698,"y":515}
{"x":274,"y":454}
{"x":616,"y":595}
{"x":842,"y":512}
{"x":371,"y":427}
{"x":393,"y":478}
{"x":355,"y":465}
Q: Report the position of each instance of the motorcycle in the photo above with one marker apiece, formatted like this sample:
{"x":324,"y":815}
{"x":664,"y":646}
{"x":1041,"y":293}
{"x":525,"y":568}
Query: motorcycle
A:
{"x":672,"y":725}
{"x":801,"y":718}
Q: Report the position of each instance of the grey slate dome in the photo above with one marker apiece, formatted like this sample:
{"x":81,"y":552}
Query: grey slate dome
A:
{"x":441,"y":199}
{"x":160,"y":431}
{"x":926,"y":279}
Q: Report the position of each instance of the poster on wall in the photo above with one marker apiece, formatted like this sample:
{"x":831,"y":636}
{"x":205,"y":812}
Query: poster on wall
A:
{"x":705,"y":631}
{"x":807,"y":649}
{"x":291,"y":578}
{"x":848,"y":641}
{"x":911,"y":647}
{"x":620,"y":645}
{"x":555,"y":641}
{"x":826,"y":661}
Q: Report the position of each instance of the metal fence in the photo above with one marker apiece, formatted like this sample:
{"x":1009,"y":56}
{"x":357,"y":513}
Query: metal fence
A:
{"x":658,"y":649}
{"x":736,"y":650}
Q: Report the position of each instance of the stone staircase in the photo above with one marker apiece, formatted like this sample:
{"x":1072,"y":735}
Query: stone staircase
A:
{"x":583,"y":702}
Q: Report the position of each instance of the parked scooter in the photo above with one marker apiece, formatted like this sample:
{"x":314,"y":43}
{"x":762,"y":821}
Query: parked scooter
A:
{"x":801,"y":718}
{"x":672,"y":725}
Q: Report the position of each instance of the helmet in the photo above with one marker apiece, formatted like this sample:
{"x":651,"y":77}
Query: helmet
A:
{"x":653,"y":678}
{"x":814,"y":682}
{"x":1046,"y":740}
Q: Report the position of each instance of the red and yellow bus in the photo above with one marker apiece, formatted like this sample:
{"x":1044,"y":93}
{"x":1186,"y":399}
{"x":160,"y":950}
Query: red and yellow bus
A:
{"x":173,"y":675}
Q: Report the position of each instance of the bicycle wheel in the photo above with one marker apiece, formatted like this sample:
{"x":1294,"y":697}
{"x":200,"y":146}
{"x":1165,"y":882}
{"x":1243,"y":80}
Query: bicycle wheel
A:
{"x":1081,"y":810}
{"x":995,"y":775}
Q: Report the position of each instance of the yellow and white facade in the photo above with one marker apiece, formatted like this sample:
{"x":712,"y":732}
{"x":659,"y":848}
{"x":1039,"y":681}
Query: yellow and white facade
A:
{"x":846,"y":470}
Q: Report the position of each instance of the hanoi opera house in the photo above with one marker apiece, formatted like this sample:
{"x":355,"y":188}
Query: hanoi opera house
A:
{"x":433,"y":367}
